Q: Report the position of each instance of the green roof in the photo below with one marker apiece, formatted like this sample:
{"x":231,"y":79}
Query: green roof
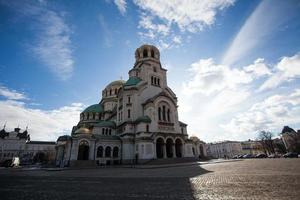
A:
{"x":132,"y":81}
{"x":145,"y":119}
{"x":64,"y":138}
{"x":106,"y":124}
{"x":96,"y":108}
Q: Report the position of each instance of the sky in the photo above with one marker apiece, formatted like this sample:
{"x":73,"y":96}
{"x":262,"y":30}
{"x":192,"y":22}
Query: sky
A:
{"x":234,"y":65}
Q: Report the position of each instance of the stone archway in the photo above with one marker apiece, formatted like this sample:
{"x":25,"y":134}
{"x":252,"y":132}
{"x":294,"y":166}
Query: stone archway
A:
{"x":178,"y":148}
{"x":159,"y":148}
{"x":169,"y":148}
{"x":83,"y":151}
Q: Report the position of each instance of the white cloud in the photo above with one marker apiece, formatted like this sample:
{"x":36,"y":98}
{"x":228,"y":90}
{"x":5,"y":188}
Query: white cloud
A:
{"x":258,"y":27}
{"x":52,"y":35}
{"x":208,"y":77}
{"x":271,"y":114}
{"x":159,"y":17}
{"x":53,"y":46}
{"x":11,"y":94}
{"x":121,"y":4}
{"x":188,"y":15}
{"x":258,"y":68}
{"x":287,"y":70}
{"x":43,"y":124}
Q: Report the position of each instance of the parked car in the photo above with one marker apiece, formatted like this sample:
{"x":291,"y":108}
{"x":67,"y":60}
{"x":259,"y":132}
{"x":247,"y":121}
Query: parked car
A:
{"x":7,"y":163}
{"x":274,"y":156}
{"x":261,"y":155}
{"x":248,"y":156}
{"x":235,"y":157}
{"x":240,"y":156}
{"x":290,"y":155}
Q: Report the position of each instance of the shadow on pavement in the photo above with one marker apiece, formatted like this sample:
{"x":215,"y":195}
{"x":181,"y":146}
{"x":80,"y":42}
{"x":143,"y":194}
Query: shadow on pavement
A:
{"x":106,"y":183}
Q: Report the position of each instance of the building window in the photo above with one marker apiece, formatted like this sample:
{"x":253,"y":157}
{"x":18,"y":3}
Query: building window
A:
{"x":103,"y":131}
{"x":106,"y":131}
{"x":152,"y":80}
{"x":115,"y":152}
{"x":110,"y":92}
{"x":152,"y":53}
{"x":128,"y":99}
{"x":147,"y":128}
{"x":168,"y":115}
{"x":116,"y":91}
{"x":181,"y":130}
{"x":164,"y":113}
{"x":100,"y":152}
{"x":108,"y":152}
{"x":145,"y":53}
{"x":159,"y":113}
{"x":128,"y":113}
{"x":109,"y":132}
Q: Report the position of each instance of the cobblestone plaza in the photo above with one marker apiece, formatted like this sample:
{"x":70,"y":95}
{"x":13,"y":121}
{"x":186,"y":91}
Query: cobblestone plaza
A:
{"x":245,"y":179}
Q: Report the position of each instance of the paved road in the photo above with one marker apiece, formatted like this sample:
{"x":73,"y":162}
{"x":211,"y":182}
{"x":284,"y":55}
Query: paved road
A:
{"x":248,"y":179}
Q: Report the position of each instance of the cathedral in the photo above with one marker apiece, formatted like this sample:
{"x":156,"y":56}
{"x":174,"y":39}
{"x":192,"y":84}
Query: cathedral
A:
{"x":135,"y":121}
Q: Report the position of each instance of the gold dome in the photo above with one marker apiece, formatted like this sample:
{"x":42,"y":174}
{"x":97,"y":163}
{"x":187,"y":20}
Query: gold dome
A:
{"x":83,"y":130}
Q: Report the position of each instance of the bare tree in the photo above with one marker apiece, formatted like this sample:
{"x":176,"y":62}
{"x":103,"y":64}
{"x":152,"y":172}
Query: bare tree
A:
{"x":265,"y":138}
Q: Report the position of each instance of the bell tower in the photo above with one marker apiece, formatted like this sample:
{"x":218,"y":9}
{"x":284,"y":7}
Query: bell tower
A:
{"x":148,"y":67}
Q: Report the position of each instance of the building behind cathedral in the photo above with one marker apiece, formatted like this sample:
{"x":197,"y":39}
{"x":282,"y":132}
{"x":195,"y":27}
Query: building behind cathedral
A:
{"x":135,"y":119}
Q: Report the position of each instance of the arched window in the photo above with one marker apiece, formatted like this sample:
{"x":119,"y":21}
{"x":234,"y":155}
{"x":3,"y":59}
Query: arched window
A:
{"x":94,"y":115}
{"x":154,"y":69}
{"x":164,"y":113}
{"x":107,"y":152}
{"x":128,"y":113}
{"x":158,"y":82}
{"x":106,"y":131}
{"x":109,"y":132}
{"x":152,"y":80}
{"x":115,"y":152}
{"x":159,"y":113}
{"x":103,"y":130}
{"x":88,"y":115}
{"x":100,"y":152}
{"x":110,"y":92}
{"x":116,"y":91}
{"x":147,"y":128}
{"x":152,"y":53}
{"x":145,"y":53}
{"x":168,"y":115}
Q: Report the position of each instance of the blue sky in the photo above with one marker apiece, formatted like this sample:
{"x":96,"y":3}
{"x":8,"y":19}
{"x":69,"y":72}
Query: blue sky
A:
{"x":234,"y":65}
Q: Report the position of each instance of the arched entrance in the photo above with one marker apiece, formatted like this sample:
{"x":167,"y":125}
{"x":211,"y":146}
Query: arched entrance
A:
{"x":159,"y":148}
{"x":83,"y":150}
{"x":178,"y":148}
{"x":169,"y":148}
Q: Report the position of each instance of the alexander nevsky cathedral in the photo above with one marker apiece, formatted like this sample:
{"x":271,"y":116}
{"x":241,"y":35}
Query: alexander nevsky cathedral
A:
{"x":135,"y":121}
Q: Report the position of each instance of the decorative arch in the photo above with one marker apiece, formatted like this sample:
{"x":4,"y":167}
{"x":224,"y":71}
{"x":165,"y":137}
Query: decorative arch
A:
{"x":160,"y":147}
{"x":179,"y":148}
{"x":83,"y":150}
{"x":100,"y":152}
{"x":116,"y":152}
{"x":108,"y":152}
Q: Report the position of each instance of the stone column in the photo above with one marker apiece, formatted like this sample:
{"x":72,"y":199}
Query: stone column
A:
{"x":165,"y":150}
{"x":174,"y":150}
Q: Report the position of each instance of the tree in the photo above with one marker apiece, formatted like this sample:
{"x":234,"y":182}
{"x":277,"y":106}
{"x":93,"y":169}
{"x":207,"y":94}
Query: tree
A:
{"x":265,"y":138}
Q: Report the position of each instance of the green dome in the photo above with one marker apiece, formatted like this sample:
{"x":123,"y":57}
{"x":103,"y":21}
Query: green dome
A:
{"x":144,"y":119}
{"x":132,"y":81}
{"x":96,"y":108}
{"x":106,"y":124}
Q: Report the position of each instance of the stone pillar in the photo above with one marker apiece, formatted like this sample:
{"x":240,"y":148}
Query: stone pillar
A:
{"x":173,"y":150}
{"x":165,"y":150}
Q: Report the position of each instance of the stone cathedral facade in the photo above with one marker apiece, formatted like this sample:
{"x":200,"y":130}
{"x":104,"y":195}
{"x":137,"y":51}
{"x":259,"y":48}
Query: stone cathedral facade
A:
{"x":135,"y":121}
